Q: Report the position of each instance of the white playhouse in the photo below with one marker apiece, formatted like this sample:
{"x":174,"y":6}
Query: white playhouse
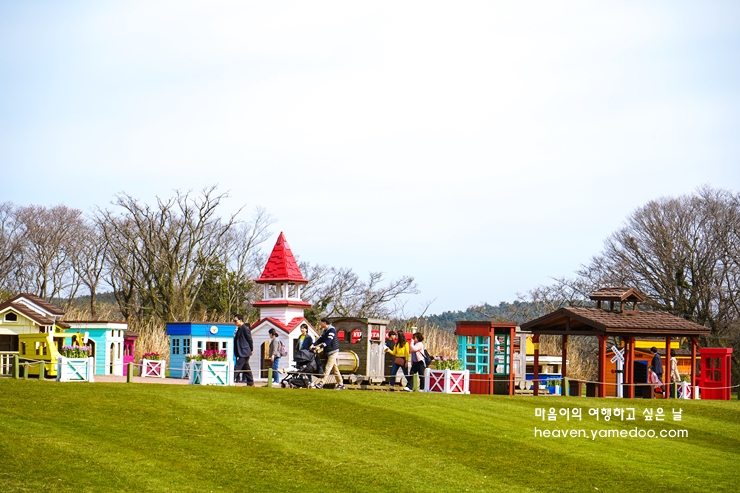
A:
{"x":108,"y":347}
{"x":281,"y":308}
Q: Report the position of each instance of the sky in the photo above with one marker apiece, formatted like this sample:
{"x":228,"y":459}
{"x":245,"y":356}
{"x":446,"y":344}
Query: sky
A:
{"x":481,"y":147}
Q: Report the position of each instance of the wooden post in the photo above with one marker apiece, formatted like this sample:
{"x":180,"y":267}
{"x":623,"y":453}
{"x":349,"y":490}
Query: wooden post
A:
{"x":491,"y":366}
{"x":16,"y":365}
{"x":42,"y":371}
{"x":26,"y":371}
{"x":512,"y":380}
{"x":602,"y":366}
{"x":129,"y":372}
{"x":564,"y":364}
{"x":269,"y":377}
{"x":416,"y":382}
{"x":630,"y":367}
{"x":536,"y":369}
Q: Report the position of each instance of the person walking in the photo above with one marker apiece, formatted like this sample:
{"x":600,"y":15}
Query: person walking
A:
{"x":400,"y":353}
{"x":274,"y":355}
{"x":675,"y":376}
{"x":418,"y":362}
{"x":305,"y":341}
{"x":328,"y":342}
{"x":390,"y":341}
{"x":656,"y":365}
{"x":243,"y":346}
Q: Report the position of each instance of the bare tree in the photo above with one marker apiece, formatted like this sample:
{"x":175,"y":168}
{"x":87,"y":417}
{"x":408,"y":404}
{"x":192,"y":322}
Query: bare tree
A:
{"x":122,"y":271}
{"x":243,"y":259}
{"x":51,"y":234}
{"x":170,"y":245}
{"x":88,"y":260}
{"x":678,"y":251}
{"x":11,"y":247}
{"x":681,"y":252}
{"x":340,"y":292}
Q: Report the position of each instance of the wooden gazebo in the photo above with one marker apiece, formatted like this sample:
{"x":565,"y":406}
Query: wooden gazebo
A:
{"x":616,"y":314}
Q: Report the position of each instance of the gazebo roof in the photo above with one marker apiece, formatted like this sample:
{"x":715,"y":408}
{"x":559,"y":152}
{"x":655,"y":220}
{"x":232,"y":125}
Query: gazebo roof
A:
{"x":594,"y":321}
{"x":618,"y":293}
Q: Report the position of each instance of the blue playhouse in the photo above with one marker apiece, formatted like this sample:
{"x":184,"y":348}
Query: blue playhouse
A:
{"x":195,"y":337}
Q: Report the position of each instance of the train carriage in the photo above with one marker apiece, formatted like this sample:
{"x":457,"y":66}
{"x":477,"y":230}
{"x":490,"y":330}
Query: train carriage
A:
{"x":361,"y":349}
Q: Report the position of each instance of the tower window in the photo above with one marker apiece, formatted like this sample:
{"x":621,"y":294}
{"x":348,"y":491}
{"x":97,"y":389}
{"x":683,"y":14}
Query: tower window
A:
{"x":274,"y":291}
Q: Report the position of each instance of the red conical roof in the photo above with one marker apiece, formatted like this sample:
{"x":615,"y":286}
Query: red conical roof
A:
{"x":281,"y":266}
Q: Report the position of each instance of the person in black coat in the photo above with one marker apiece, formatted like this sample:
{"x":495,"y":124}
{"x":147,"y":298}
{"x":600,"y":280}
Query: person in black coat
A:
{"x":656,"y":364}
{"x":243,"y":347}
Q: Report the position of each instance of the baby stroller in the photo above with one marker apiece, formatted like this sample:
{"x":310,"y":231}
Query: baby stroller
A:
{"x":307,"y":364}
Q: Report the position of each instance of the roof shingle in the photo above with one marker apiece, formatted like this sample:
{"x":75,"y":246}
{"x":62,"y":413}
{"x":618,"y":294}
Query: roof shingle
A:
{"x":614,"y":323}
{"x":281,"y":266}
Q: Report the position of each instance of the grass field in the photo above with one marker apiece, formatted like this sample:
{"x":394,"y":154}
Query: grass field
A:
{"x":146,"y":437}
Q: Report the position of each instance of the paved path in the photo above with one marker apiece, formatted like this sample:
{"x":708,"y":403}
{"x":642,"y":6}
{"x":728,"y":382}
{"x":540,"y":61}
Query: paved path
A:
{"x":165,"y":381}
{"x":171,"y":381}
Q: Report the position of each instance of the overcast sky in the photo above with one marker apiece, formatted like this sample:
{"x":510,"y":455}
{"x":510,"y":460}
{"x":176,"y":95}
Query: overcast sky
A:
{"x":481,"y":147}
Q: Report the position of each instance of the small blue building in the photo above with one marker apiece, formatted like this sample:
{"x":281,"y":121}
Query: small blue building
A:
{"x":194,"y":338}
{"x":106,"y":338}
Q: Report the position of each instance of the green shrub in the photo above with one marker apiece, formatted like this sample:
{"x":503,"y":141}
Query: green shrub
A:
{"x":447,"y":364}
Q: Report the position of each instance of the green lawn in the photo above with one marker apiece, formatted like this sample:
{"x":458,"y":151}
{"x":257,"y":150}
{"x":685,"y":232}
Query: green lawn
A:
{"x":146,"y":437}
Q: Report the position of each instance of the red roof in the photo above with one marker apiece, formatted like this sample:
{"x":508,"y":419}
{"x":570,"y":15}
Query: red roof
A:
{"x":285,"y":327}
{"x":281,"y":266}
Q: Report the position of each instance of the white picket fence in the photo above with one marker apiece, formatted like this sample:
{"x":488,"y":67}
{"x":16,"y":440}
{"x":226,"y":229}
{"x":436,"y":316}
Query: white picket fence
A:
{"x":75,"y":369}
{"x":6,"y":363}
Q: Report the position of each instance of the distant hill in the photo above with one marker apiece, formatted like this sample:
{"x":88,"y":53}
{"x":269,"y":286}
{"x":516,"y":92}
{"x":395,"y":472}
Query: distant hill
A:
{"x":518,"y":312}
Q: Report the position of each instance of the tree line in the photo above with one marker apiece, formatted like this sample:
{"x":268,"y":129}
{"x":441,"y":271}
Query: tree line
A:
{"x":682,"y":252}
{"x":177,"y":259}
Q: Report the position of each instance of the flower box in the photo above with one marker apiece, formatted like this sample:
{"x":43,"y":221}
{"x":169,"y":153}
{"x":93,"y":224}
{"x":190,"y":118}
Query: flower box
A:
{"x":447,"y":381}
{"x":75,"y":369}
{"x":152,"y":368}
{"x":205,"y":372}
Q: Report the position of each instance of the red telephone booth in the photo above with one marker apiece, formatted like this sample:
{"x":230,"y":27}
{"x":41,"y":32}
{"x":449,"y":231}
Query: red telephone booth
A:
{"x":716,"y":373}
{"x":485,"y":348}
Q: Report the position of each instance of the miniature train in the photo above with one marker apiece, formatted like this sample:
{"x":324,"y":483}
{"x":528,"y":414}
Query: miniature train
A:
{"x":362,"y":343}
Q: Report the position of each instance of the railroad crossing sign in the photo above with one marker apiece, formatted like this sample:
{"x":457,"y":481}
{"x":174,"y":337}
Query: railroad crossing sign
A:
{"x":618,"y":354}
{"x":618,"y":358}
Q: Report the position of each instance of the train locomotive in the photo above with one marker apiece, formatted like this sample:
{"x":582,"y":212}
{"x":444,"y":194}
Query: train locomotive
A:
{"x":362,"y":359}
